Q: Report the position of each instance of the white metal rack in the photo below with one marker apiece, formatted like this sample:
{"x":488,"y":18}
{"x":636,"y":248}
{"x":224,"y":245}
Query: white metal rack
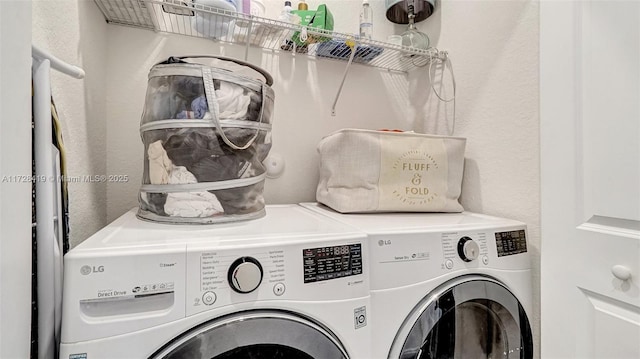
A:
{"x":49,"y":241}
{"x":187,"y":18}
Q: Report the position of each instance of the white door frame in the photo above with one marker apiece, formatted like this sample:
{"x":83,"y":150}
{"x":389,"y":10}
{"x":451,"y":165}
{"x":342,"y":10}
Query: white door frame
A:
{"x":15,"y":191}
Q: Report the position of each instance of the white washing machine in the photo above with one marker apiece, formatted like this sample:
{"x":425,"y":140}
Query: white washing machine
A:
{"x":455,"y":285}
{"x":293,"y":284}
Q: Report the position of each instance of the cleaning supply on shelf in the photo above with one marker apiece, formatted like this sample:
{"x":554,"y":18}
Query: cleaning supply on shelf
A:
{"x":338,"y":49}
{"x":366,"y":21}
{"x":286,"y":16}
{"x":302,"y":5}
{"x":213,"y":22}
{"x":320,"y":19}
{"x":246,"y":7}
{"x":258,"y":33}
{"x":243,"y":8}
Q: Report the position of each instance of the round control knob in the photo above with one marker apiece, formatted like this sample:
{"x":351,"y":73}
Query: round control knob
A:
{"x":245,"y":275}
{"x":468,"y":249}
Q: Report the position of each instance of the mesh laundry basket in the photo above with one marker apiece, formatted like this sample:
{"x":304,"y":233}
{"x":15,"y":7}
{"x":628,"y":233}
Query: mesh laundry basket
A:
{"x":206,"y":130}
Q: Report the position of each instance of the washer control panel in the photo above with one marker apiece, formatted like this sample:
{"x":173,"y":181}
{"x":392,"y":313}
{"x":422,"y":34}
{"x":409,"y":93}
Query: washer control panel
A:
{"x":333,"y":262}
{"x":328,"y":269}
{"x":223,"y":271}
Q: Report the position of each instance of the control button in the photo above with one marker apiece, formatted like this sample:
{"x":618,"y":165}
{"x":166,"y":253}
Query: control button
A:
{"x":279,"y":289}
{"x":245,"y":275}
{"x":468,"y":249}
{"x":448,"y":263}
{"x":485,"y":260}
{"x":209,"y":298}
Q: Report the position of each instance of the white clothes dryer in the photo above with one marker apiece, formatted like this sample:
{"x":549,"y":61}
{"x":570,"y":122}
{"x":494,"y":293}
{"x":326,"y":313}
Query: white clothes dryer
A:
{"x":293,"y":284}
{"x":454,"y":285}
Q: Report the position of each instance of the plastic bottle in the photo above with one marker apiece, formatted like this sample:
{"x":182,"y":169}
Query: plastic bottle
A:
{"x":285,"y":16}
{"x":302,"y":5}
{"x":366,"y":20}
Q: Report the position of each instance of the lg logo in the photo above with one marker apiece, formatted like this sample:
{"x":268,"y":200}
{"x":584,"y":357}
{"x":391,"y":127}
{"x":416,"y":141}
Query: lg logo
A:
{"x":86,"y":270}
{"x":384,"y":242}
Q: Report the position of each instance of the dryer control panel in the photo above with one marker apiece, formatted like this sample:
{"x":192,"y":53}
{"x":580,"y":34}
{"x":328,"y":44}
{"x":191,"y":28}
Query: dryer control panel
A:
{"x":400,"y":259}
{"x":511,"y":242}
{"x":466,"y":246}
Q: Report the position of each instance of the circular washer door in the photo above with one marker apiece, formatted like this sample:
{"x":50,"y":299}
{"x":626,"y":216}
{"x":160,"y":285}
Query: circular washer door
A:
{"x":255,"y":334}
{"x":469,"y":317}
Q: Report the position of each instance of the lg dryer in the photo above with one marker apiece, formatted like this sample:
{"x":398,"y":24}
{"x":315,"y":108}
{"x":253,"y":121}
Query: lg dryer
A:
{"x":454,"y":285}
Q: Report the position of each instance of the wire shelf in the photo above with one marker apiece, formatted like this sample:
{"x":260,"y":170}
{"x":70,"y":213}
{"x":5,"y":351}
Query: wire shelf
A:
{"x":185,"y":17}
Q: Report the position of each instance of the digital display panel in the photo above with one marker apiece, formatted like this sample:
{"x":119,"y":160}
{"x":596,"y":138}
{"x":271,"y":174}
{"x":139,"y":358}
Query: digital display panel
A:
{"x":333,"y":262}
{"x":511,"y":242}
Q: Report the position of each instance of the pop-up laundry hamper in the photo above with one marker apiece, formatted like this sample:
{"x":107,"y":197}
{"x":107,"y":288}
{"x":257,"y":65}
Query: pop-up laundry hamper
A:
{"x":206,"y":130}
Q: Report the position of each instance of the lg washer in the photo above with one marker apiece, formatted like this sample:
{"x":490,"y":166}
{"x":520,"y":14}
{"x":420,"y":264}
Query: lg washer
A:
{"x":454,"y":285}
{"x":293,"y":284}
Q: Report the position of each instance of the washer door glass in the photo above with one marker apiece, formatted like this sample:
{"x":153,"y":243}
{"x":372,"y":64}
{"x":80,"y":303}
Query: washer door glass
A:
{"x":258,"y":335}
{"x":468,"y":318}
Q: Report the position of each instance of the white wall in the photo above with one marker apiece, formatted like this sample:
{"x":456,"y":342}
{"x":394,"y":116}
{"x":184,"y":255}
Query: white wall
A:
{"x":75,"y":31}
{"x":493,"y":46}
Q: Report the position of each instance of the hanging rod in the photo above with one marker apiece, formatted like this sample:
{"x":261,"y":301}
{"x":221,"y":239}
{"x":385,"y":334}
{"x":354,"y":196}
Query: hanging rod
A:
{"x":56,"y":63}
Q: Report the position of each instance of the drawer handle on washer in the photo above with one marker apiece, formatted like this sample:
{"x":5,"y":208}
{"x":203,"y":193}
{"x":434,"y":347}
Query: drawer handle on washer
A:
{"x":621,"y":272}
{"x":127,"y":305}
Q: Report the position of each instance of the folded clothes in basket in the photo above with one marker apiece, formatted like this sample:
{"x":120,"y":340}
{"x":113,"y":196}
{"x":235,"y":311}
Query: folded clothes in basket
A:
{"x":190,"y":204}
